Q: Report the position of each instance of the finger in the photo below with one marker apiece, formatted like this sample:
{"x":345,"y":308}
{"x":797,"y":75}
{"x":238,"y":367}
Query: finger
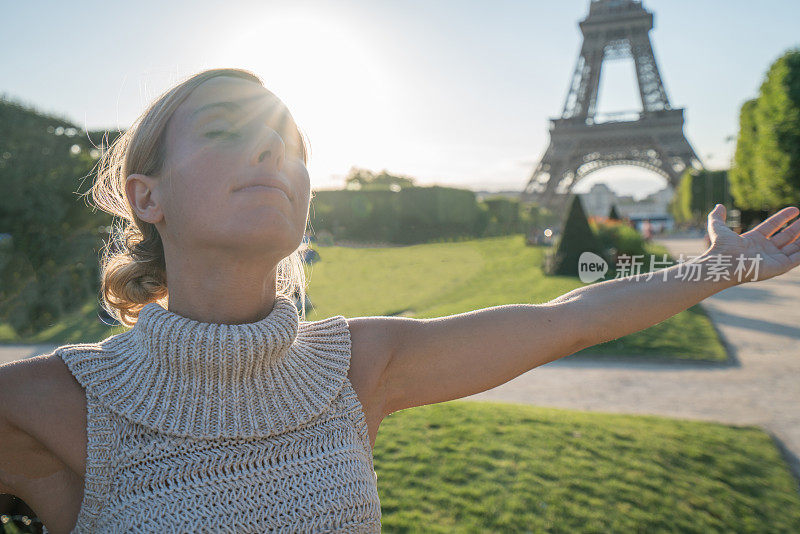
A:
{"x":791,"y":248}
{"x":795,"y":258}
{"x":772,"y":224}
{"x":716,"y":220}
{"x":787,"y":235}
{"x":718,"y":213}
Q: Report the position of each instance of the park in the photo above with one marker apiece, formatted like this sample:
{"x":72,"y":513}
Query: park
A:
{"x":687,"y":421}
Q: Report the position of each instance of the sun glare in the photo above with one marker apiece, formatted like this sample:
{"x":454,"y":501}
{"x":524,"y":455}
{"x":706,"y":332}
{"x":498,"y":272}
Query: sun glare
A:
{"x":337,"y":89}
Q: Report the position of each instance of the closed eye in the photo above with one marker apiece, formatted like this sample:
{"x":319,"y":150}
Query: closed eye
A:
{"x":221,"y":133}
{"x":291,"y":148}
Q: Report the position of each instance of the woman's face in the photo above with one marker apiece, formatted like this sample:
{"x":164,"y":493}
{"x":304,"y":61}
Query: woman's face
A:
{"x":228,"y":134}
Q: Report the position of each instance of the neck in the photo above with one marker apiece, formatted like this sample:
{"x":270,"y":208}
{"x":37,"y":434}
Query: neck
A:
{"x":224,"y":310}
{"x":223,"y":299}
{"x":220,"y":289}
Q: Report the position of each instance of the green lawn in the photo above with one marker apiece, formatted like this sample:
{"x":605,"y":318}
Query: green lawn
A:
{"x":80,"y":326}
{"x":438,"y":279}
{"x":465,"y":466}
{"x":434,"y":280}
{"x":469,"y":466}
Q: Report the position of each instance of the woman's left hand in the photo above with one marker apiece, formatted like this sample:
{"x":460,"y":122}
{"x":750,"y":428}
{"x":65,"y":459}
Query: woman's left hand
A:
{"x":772,"y":246}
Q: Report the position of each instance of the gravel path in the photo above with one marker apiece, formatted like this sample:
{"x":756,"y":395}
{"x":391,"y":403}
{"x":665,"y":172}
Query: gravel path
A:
{"x":760,"y":385}
{"x":9,"y":353}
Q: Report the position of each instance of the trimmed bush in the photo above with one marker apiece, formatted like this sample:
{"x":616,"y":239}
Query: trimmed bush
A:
{"x":576,"y":239}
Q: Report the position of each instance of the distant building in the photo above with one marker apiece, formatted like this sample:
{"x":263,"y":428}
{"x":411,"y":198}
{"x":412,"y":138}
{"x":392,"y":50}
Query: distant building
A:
{"x":598,"y":201}
{"x":654,"y":207}
{"x":662,"y":196}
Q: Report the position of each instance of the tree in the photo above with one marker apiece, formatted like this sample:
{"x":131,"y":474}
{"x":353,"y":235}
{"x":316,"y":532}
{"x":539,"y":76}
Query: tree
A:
{"x":744,"y":187}
{"x":576,"y":238}
{"x":680,"y":205}
{"x":697,"y":194}
{"x":777,"y":165}
{"x":49,"y":265}
{"x":364,"y":179}
{"x":766,"y":168}
{"x":613,"y":215}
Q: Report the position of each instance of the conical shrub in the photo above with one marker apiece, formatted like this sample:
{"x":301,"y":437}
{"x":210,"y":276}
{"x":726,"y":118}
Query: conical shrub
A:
{"x":576,"y":238}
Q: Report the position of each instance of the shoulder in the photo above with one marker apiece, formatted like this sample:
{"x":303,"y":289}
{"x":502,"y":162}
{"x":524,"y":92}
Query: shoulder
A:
{"x":373,"y":341}
{"x":369,"y":341}
{"x":42,"y":421}
{"x":378,"y":336}
{"x":371,"y":334}
{"x":39,"y":394}
{"x":23,"y":381}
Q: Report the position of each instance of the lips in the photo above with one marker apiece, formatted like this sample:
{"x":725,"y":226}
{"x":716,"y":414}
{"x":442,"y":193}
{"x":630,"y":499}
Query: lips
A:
{"x":268,"y":182}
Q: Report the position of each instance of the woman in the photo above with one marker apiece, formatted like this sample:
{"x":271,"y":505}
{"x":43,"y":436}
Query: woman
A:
{"x":220,"y":409}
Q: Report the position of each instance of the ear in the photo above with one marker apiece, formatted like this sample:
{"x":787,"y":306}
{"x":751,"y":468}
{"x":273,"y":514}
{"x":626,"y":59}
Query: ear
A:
{"x":144,"y":196}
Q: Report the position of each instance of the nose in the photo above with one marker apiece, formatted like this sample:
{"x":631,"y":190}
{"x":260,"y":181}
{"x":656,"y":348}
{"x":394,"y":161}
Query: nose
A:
{"x":270,"y":151}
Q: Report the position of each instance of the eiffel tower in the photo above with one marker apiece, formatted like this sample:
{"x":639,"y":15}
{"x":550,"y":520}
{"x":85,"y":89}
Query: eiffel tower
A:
{"x":580,"y":142}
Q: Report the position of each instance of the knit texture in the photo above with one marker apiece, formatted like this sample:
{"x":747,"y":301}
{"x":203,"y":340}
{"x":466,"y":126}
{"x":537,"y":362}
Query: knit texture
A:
{"x":205,"y":427}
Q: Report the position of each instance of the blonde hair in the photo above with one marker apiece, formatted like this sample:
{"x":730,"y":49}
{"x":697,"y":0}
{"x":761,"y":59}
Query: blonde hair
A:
{"x":133,"y":266}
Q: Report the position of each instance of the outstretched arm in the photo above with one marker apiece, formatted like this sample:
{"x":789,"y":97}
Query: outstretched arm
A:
{"x":436,"y":360}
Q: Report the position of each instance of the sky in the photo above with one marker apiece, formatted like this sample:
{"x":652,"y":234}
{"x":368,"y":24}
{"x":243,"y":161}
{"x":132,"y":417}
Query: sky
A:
{"x":448,"y":92}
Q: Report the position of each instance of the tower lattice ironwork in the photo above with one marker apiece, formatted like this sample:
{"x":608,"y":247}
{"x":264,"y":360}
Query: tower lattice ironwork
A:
{"x":581,"y":141}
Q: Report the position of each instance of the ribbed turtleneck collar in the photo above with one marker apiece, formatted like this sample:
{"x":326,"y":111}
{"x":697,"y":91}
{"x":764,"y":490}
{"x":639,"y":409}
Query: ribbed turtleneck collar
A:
{"x":211,"y":380}
{"x":211,"y":353}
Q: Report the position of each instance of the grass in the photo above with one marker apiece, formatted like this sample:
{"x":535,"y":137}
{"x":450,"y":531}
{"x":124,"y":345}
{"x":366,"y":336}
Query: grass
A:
{"x":689,"y":335}
{"x":439,"y":279}
{"x":466,"y":466}
{"x":474,"y":466}
{"x":434,"y":280}
{"x":79,"y":326}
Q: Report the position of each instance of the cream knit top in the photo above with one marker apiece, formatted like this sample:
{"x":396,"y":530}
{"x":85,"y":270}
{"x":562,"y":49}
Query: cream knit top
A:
{"x":204,"y":427}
